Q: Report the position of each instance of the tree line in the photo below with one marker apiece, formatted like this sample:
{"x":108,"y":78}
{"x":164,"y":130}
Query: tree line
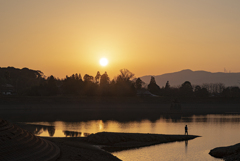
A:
{"x":33,"y":83}
{"x":188,"y":90}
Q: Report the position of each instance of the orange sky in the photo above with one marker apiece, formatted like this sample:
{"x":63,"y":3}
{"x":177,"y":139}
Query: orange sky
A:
{"x":148,"y":37}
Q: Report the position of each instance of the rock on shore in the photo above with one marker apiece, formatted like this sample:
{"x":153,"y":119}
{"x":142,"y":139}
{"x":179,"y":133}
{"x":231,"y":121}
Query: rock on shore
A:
{"x":229,"y":153}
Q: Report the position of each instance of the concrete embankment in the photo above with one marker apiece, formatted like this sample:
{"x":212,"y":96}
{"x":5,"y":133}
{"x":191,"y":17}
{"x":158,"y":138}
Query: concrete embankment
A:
{"x":76,"y":149}
{"x":17,"y":144}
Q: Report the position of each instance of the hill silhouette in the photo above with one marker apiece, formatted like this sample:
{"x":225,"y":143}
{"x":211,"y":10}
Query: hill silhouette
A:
{"x":195,"y":77}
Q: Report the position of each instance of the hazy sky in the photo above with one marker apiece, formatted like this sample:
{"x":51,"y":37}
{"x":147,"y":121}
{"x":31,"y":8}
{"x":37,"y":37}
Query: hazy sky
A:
{"x":148,"y":37}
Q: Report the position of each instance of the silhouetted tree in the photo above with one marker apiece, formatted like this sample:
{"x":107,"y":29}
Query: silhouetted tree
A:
{"x":200,"y":92}
{"x":112,"y":88}
{"x":231,"y":92}
{"x":152,"y":80}
{"x":90,"y":87}
{"x":104,"y":79}
{"x":124,"y":85}
{"x":7,"y":76}
{"x":167,"y":86}
{"x":88,"y":78}
{"x":104,"y":84}
{"x":214,"y":88}
{"x":204,"y":92}
{"x":52,"y":88}
{"x":167,"y":90}
{"x":197,"y":89}
{"x":153,"y":87}
{"x":186,"y":89}
{"x":73,"y":85}
{"x":77,"y":77}
{"x":21,"y":79}
{"x":125,"y":75}
{"x":139,"y":83}
{"x":97,"y":77}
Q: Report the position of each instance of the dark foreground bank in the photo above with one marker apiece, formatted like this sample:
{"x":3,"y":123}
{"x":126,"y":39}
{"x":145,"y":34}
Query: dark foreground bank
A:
{"x":108,"y":108}
{"x":228,"y":153}
{"x":94,"y":146}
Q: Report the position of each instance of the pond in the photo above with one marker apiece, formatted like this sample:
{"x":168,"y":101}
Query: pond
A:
{"x":215,"y":131}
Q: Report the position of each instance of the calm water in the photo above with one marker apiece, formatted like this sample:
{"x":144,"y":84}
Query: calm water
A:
{"x":216,"y":130}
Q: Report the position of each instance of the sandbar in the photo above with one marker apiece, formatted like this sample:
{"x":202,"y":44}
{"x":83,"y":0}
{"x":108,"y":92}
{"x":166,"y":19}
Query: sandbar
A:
{"x":97,"y":146}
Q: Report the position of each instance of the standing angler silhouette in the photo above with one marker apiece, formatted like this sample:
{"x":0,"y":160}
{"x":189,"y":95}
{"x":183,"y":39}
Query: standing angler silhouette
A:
{"x":186,"y":130}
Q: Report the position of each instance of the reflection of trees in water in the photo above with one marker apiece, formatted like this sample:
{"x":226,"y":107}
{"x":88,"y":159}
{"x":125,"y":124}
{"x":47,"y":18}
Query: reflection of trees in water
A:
{"x":51,"y":131}
{"x":72,"y":125}
{"x":111,"y":125}
{"x":215,"y":118}
{"x":177,"y":118}
{"x":38,"y":129}
{"x":172,"y":118}
{"x":234,"y":119}
{"x":75,"y":134}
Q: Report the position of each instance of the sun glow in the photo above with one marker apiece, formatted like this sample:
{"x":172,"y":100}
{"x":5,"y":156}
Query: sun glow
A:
{"x":103,"y":61}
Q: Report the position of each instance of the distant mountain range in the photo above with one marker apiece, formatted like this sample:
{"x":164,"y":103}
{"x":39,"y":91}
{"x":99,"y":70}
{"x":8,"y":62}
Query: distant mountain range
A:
{"x":195,"y":77}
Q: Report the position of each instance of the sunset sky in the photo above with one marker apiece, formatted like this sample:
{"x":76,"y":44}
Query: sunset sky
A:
{"x":147,"y":37}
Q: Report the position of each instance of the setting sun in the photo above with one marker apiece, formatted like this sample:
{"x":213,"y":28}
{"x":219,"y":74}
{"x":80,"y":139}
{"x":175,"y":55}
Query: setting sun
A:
{"x":103,"y":61}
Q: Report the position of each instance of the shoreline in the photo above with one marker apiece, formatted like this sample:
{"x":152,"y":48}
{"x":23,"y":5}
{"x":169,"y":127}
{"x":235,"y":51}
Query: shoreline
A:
{"x":103,"y":143}
{"x":75,"y":109}
{"x":113,"y":141}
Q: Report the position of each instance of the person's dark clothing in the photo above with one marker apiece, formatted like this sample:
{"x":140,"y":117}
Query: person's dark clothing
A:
{"x":186,"y":130}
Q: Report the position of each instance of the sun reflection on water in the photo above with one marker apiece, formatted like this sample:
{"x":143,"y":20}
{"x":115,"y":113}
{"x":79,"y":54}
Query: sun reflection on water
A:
{"x":100,"y":124}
